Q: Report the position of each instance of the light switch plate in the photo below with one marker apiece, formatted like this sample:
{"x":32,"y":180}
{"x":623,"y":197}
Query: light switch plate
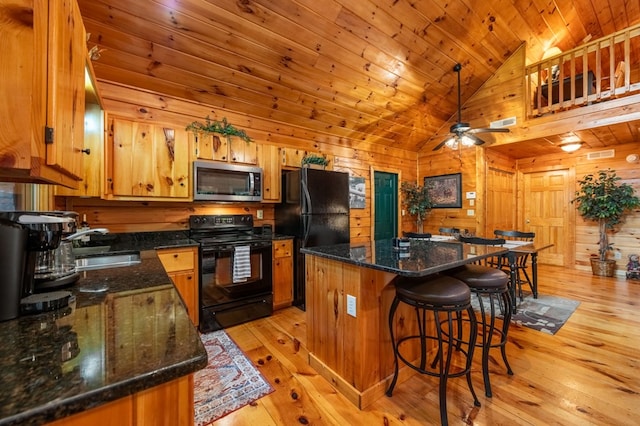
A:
{"x":351,"y":305}
{"x":260,"y":214}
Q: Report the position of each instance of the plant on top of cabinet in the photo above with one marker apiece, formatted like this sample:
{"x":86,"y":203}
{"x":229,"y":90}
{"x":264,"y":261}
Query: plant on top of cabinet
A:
{"x":315,"y":159}
{"x":601,"y":198}
{"x":234,"y":147}
{"x":220,"y":127}
{"x":417,"y":200}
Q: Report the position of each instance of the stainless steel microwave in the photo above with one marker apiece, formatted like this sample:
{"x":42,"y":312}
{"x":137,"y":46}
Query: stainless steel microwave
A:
{"x":213,"y":181}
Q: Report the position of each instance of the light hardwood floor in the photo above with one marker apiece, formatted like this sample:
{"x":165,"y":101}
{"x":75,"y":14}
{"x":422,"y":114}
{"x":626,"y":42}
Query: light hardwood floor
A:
{"x":587,"y":373}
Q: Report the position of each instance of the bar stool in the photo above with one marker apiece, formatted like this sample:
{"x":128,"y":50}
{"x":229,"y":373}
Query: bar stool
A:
{"x":438,"y":294}
{"x":520,"y":261}
{"x":490,"y":284}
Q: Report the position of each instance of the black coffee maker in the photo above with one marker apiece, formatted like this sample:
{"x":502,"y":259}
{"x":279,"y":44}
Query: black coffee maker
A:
{"x":24,"y":237}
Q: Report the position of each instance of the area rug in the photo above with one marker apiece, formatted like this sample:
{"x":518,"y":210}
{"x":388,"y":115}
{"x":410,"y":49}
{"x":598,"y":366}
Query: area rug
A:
{"x":546,"y":313}
{"x":228,"y":382}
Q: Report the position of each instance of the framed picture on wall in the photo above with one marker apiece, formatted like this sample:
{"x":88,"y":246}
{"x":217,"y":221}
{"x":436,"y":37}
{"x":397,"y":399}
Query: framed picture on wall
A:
{"x":356,"y":192}
{"x":445,"y":190}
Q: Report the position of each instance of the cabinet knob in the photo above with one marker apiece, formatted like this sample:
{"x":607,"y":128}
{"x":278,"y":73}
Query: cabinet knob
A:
{"x":87,"y":151}
{"x":175,"y":256}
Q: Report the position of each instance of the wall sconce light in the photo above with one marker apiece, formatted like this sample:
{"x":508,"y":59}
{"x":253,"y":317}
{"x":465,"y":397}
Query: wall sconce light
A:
{"x":633,"y":158}
{"x":571,"y":146}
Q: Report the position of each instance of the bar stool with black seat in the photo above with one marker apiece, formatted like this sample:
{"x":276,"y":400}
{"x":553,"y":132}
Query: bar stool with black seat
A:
{"x":440,"y":295}
{"x":490,"y":285}
{"x":520,"y":261}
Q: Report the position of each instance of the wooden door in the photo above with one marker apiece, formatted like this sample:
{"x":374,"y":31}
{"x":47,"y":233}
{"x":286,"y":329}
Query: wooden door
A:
{"x":386,"y":205}
{"x":269,"y":160}
{"x":546,"y":200}
{"x":500,"y":201}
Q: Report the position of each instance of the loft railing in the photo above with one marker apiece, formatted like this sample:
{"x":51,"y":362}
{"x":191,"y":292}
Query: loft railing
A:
{"x":598,"y":70}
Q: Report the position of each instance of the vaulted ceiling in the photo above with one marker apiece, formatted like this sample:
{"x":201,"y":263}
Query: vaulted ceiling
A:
{"x":378,"y":71}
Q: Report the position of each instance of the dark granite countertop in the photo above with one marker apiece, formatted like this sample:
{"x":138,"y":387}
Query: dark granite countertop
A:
{"x":423,"y":257}
{"x":131,"y":330}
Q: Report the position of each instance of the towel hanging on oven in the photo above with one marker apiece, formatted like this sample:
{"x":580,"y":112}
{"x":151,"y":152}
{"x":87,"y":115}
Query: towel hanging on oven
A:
{"x":241,"y":263}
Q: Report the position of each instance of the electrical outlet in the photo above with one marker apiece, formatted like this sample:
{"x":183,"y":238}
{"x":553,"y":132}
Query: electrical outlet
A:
{"x":617,"y":255}
{"x":260,"y":214}
{"x":351,"y":305}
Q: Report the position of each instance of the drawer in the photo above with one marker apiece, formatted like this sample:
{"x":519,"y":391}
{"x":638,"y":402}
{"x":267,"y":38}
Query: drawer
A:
{"x":177,"y":260}
{"x":282,"y":248}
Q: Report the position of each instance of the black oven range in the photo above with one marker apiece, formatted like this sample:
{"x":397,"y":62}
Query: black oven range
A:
{"x":235,"y":270}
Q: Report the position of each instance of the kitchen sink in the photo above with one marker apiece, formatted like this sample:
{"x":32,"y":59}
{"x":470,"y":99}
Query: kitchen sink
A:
{"x":83,"y":251}
{"x":107,"y":261}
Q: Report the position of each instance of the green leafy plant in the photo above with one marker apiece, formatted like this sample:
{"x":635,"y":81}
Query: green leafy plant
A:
{"x":601,"y":198}
{"x":220,"y":127}
{"x":315,"y":159}
{"x":417,"y":200}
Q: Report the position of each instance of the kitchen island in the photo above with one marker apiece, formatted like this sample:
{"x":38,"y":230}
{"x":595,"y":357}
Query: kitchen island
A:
{"x":126,"y":351}
{"x":349,"y":289}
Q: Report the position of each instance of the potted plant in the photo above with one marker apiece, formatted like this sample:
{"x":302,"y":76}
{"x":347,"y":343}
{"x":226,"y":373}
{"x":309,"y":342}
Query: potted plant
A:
{"x":602,"y":198}
{"x":417,"y":201}
{"x":221,"y":127}
{"x":318,"y":160}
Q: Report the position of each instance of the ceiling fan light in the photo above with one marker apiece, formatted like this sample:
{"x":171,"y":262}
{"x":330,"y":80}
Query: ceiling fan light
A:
{"x":467,"y":141}
{"x":452,"y":143}
{"x":571,"y":147}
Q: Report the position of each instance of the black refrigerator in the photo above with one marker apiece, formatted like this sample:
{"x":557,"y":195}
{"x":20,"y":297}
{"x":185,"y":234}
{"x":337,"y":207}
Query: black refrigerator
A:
{"x":314,"y":210}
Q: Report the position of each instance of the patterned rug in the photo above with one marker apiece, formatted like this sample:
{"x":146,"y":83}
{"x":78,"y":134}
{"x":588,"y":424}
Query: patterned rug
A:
{"x":228,"y":382}
{"x":546,"y":313}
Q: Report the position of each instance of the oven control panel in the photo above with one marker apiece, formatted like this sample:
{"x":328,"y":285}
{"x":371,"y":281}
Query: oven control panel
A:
{"x":213,"y":222}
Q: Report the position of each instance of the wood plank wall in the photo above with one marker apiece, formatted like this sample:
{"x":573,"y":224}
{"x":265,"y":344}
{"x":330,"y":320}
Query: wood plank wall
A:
{"x":351,"y":155}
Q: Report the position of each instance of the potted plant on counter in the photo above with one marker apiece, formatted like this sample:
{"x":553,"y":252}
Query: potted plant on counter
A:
{"x":417,"y":201}
{"x":603,"y":199}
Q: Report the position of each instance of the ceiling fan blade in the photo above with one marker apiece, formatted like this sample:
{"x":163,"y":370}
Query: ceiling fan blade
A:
{"x":441,"y":144}
{"x":487,"y":130}
{"x":476,"y":140}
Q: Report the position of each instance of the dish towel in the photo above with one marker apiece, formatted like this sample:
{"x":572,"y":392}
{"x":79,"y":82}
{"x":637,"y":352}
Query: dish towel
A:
{"x":241,"y":263}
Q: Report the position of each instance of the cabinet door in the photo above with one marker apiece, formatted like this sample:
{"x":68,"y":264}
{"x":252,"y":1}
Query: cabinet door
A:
{"x":148,"y":160}
{"x":90,"y":185}
{"x":269,"y":160}
{"x":241,"y":151}
{"x":209,"y":147}
{"x":187,"y":285}
{"x":66,"y":91}
{"x":181,"y":265}
{"x":42,"y":49}
{"x":282,"y":273}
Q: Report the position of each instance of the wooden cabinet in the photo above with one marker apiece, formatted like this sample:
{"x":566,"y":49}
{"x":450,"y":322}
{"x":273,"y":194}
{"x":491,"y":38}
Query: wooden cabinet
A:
{"x":221,"y":148}
{"x":43,"y":51}
{"x":168,"y":404}
{"x":282,"y":273}
{"x":93,"y":164}
{"x":147,"y":160}
{"x":269,"y":161}
{"x":181,"y":265}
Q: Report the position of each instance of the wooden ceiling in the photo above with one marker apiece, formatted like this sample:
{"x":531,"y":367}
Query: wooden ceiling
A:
{"x":341,"y":71}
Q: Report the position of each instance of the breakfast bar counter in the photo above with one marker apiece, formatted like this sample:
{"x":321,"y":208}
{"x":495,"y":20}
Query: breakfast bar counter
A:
{"x":349,"y":289}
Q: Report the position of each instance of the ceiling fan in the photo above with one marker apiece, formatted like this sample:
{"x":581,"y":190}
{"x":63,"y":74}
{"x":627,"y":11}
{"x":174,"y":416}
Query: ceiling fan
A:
{"x":462,"y":133}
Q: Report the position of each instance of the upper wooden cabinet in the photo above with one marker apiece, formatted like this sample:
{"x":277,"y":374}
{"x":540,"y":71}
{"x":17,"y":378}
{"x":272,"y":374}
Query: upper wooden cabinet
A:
{"x":269,"y":161}
{"x":43,"y":50}
{"x":146,"y":160}
{"x":219,"y":148}
{"x":93,"y":164}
